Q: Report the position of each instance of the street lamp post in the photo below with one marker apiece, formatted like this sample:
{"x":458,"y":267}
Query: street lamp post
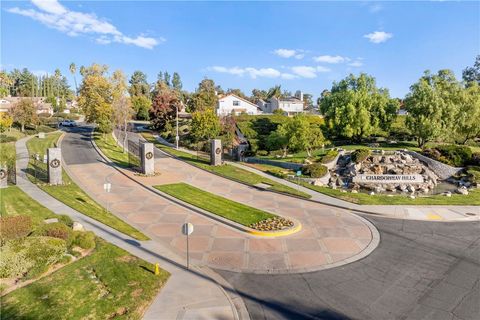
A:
{"x":177,"y":137}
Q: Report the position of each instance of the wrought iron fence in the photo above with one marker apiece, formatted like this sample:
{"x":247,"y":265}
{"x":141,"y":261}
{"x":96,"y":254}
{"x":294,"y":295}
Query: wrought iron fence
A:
{"x":133,"y":154}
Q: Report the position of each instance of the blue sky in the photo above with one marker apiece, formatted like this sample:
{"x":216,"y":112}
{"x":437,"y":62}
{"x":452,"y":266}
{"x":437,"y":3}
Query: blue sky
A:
{"x":246,"y":45}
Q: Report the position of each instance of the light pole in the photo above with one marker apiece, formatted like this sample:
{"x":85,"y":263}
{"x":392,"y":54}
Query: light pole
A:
{"x":177,"y":137}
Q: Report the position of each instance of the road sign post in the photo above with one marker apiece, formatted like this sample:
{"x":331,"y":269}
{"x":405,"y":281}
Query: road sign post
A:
{"x":187,"y":229}
{"x":298,"y":174}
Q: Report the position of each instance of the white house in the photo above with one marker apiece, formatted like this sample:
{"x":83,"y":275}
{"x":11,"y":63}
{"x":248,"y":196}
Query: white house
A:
{"x":232,"y":104}
{"x":290,"y":106}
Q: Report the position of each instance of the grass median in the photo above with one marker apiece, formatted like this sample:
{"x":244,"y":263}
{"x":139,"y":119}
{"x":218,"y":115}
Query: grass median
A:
{"x":217,"y":205}
{"x":69,"y":193}
{"x":112,"y":150}
{"x":226,"y":170}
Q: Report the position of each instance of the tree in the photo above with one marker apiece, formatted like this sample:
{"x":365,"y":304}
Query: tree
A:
{"x":138,"y":84}
{"x":95,"y":97}
{"x":472,"y":74}
{"x":122,"y":113}
{"x":6,"y":122}
{"x":298,"y":134}
{"x":237,"y":92}
{"x":258,"y":95}
{"x":6,"y":83}
{"x":141,"y":106}
{"x":275,"y":92}
{"x":164,"y":107}
{"x":432,"y":106}
{"x":228,"y":126}
{"x":308,"y":100}
{"x":73,"y":71}
{"x":467,"y":119}
{"x":356,"y":108}
{"x":24,"y":112}
{"x":205,"y":125}
{"x":176,"y":82}
{"x":205,"y":98}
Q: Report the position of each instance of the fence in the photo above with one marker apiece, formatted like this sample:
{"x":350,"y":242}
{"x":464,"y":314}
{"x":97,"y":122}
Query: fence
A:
{"x":133,"y":154}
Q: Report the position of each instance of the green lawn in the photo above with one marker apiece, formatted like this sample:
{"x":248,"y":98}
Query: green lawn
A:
{"x":227,"y":171}
{"x":69,"y":193}
{"x":472,"y":199}
{"x":107,"y":284}
{"x":220,"y":206}
{"x":111,"y":149}
{"x":16,"y":202}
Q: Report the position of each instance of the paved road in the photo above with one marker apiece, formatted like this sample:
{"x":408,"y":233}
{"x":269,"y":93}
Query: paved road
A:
{"x":421,"y":270}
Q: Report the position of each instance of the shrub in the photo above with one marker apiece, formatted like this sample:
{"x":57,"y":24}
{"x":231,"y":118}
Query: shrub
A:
{"x":277,"y":173}
{"x":4,"y":138}
{"x":329,"y":156}
{"x":13,"y":227}
{"x":474,"y":174}
{"x":55,"y":230}
{"x":84,"y":240}
{"x":360,"y":155}
{"x":475,"y":161}
{"x":13,"y":264}
{"x":32,"y":256}
{"x":65,"y":220}
{"x":457,"y":156}
{"x":315,"y":170}
{"x":262,"y":153}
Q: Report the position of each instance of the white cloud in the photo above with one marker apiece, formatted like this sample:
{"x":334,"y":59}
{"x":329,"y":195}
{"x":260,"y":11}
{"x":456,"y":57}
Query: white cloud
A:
{"x":305,"y":71}
{"x":330,"y":59}
{"x":289,"y":53}
{"x":376,"y":7}
{"x":356,"y":64}
{"x":253,"y":73}
{"x":378,"y":36}
{"x":73,"y":23}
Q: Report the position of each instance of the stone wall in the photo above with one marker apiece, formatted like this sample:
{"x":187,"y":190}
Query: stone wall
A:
{"x":442,"y":170}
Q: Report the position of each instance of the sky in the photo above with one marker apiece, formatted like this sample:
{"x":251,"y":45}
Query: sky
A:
{"x":298,"y":45}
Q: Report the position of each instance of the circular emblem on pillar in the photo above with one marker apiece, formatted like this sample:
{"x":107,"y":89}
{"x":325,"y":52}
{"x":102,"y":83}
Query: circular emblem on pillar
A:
{"x":55,"y":163}
{"x":3,"y":174}
{"x":218,"y":150}
{"x":149,"y":155}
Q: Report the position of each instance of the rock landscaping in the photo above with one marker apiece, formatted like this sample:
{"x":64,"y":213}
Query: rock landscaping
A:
{"x":272,"y":224}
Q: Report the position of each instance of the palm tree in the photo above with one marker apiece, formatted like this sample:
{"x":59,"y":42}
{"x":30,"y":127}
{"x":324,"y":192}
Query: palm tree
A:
{"x":274,"y":92}
{"x":73,"y":71}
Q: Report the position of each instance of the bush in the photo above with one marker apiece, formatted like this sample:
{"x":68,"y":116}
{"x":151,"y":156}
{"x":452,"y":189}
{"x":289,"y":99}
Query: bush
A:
{"x":13,"y":227}
{"x":457,"y":156}
{"x":32,"y":256}
{"x":262,"y":153}
{"x":360,"y":155}
{"x":475,"y":161}
{"x":55,"y":230}
{"x":315,"y":170}
{"x":329,"y":156}
{"x":474,"y":174}
{"x":277,"y":173}
{"x":4,"y":138}
{"x":84,"y":240}
{"x":65,"y":220}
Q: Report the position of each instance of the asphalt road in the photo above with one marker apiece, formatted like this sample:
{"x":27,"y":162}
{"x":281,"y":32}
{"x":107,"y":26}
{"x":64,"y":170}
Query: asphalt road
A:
{"x":420,"y":270}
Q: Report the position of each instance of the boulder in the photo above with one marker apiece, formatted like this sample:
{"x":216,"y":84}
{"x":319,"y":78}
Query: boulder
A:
{"x":462,"y":190}
{"x":448,"y":194}
{"x":371,"y":193}
{"x":354,"y":191}
{"x":77,"y":226}
{"x":51,"y":220}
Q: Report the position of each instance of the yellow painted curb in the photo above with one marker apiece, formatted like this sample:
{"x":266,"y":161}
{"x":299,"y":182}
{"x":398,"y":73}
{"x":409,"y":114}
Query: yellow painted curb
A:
{"x":433,"y":216}
{"x":280,"y":233}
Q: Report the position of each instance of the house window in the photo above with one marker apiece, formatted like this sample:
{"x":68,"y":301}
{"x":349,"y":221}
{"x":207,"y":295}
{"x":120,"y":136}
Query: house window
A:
{"x":236,"y":103}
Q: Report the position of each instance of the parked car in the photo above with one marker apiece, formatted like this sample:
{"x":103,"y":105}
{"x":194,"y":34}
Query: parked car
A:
{"x":68,"y":123}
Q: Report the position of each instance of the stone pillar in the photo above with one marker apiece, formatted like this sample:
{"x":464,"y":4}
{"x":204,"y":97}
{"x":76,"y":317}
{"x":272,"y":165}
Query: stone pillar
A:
{"x":216,"y":152}
{"x":3,"y":176}
{"x":54,"y":157}
{"x":147,"y":161}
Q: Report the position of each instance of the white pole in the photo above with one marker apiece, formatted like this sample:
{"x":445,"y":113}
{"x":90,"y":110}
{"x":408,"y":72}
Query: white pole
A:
{"x":177,"y":137}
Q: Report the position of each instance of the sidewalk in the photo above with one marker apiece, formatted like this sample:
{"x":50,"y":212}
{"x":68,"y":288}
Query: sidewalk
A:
{"x":439,"y":213}
{"x":197,"y":293}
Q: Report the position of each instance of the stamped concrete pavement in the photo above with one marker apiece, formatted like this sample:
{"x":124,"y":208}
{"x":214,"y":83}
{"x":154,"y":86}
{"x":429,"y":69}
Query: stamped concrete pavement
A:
{"x":329,"y":237}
